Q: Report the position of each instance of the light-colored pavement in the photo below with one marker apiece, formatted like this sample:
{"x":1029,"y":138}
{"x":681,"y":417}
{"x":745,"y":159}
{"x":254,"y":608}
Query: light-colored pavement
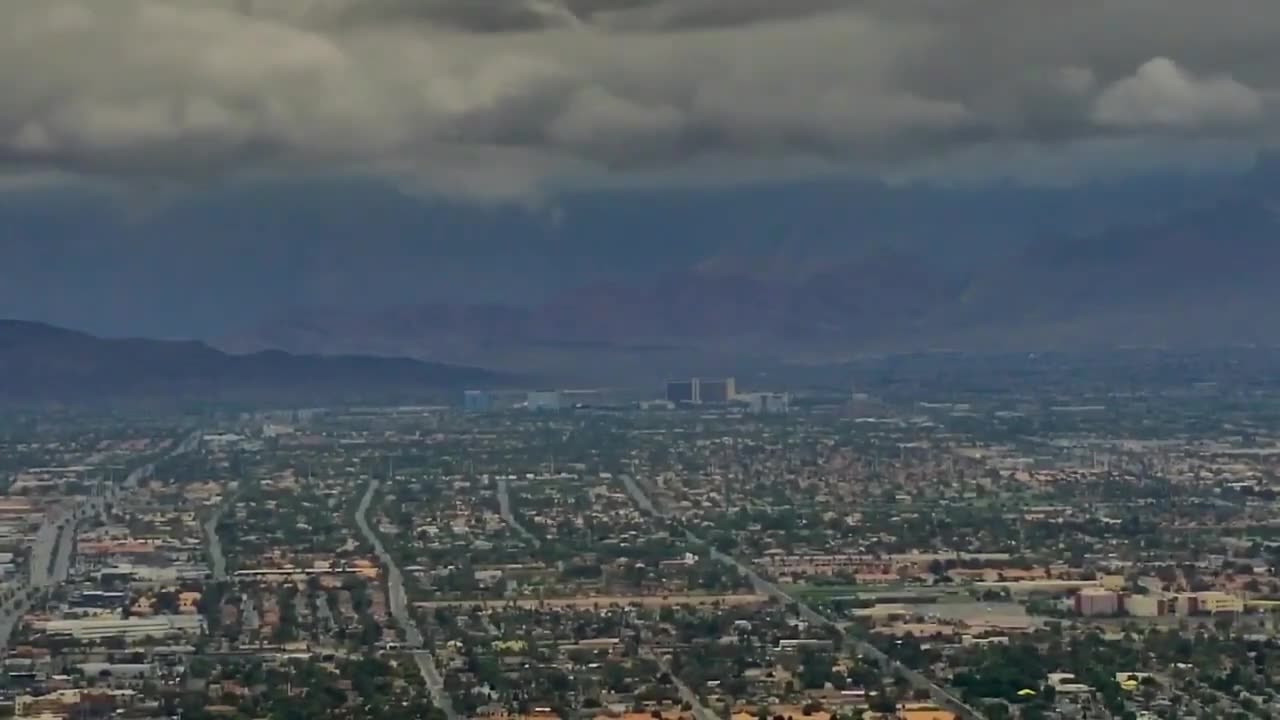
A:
{"x":53,"y":547}
{"x":51,"y":552}
{"x":400,"y":609}
{"x":248,"y":614}
{"x":939,"y":694}
{"x":323,"y":614}
{"x":213,"y":544}
{"x":504,"y":509}
{"x":50,"y":560}
{"x":700,"y":711}
{"x":9,"y":615}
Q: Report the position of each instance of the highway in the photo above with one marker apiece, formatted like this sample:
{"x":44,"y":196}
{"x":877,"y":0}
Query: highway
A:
{"x":504,"y":509}
{"x":940,"y":695}
{"x":400,"y":609}
{"x":51,"y":553}
{"x":53,"y":547}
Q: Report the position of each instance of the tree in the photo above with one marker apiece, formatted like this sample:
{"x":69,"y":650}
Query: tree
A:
{"x":1224,"y":623}
{"x":199,"y":667}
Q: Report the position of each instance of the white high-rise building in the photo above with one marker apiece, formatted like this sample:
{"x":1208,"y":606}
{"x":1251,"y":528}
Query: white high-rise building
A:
{"x":767,"y":403}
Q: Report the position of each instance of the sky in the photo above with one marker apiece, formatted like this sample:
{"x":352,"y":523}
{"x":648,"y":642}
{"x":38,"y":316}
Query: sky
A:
{"x":518,"y":100}
{"x":186,"y":168}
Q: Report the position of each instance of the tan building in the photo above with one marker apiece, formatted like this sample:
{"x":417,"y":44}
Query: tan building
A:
{"x":1115,"y":583}
{"x":1214,"y":602}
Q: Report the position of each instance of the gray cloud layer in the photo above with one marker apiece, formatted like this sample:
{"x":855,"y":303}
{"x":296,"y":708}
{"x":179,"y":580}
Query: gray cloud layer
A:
{"x":501,"y":98}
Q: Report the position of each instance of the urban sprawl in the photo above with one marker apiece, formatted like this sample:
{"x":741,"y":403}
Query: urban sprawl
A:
{"x":998,"y":547}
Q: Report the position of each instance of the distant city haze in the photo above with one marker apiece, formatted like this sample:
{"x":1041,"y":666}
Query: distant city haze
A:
{"x":653,"y":183}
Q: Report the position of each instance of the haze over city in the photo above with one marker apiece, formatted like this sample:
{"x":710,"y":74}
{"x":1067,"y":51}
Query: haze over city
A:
{"x":639,"y":360}
{"x":446,"y":178}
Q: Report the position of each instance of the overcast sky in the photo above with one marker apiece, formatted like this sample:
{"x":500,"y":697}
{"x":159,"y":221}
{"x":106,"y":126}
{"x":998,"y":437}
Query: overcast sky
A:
{"x":495,"y":99}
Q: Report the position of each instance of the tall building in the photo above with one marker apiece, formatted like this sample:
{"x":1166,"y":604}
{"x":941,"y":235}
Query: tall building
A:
{"x":767,"y":403}
{"x":477,"y":401}
{"x":716,"y":390}
{"x":684,"y":392}
{"x":1097,"y":602}
{"x":1145,"y":605}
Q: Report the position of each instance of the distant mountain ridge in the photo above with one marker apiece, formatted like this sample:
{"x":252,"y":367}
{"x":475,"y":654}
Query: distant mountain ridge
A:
{"x":40,"y":362}
{"x":215,"y":263}
{"x":1202,"y":276}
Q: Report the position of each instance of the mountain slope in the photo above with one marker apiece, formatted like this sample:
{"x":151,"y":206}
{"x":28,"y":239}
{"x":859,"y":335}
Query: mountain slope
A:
{"x":208,"y":264}
{"x":41,"y":362}
{"x":684,"y":319}
{"x":827,"y":276}
{"x":1202,"y":276}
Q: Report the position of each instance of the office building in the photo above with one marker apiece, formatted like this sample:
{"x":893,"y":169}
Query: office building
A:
{"x":766,"y":403}
{"x":544,"y":400}
{"x":72,"y":702}
{"x":716,"y":390}
{"x":1146,"y":605}
{"x":132,"y":628}
{"x":1116,"y":583}
{"x":1097,"y":602}
{"x":1210,"y":602}
{"x":684,"y":392}
{"x":477,"y":401}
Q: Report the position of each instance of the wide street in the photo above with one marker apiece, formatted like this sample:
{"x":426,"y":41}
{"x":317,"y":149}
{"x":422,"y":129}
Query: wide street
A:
{"x":504,"y":509}
{"x":400,"y":608}
{"x":938,"y":693}
{"x":53,"y":547}
{"x":51,"y":553}
{"x":217,"y":561}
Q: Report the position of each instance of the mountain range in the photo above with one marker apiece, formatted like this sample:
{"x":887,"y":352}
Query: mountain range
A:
{"x":1202,"y":275}
{"x":622,"y":284}
{"x":221,"y":261}
{"x":42,"y":363}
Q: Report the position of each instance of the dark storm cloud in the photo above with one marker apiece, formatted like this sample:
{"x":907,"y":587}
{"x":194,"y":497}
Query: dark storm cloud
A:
{"x":499,"y":98}
{"x":478,"y":16}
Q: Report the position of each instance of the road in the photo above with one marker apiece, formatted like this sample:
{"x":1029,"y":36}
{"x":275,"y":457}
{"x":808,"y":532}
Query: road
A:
{"x":42,"y":547}
{"x":53,"y":547}
{"x":63,"y":549}
{"x":504,"y":509}
{"x":700,"y":711}
{"x":324,"y":616}
{"x":248,"y":614}
{"x":217,"y":561}
{"x":9,"y":615}
{"x":400,"y":609}
{"x":940,"y":695}
{"x":51,"y":551}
